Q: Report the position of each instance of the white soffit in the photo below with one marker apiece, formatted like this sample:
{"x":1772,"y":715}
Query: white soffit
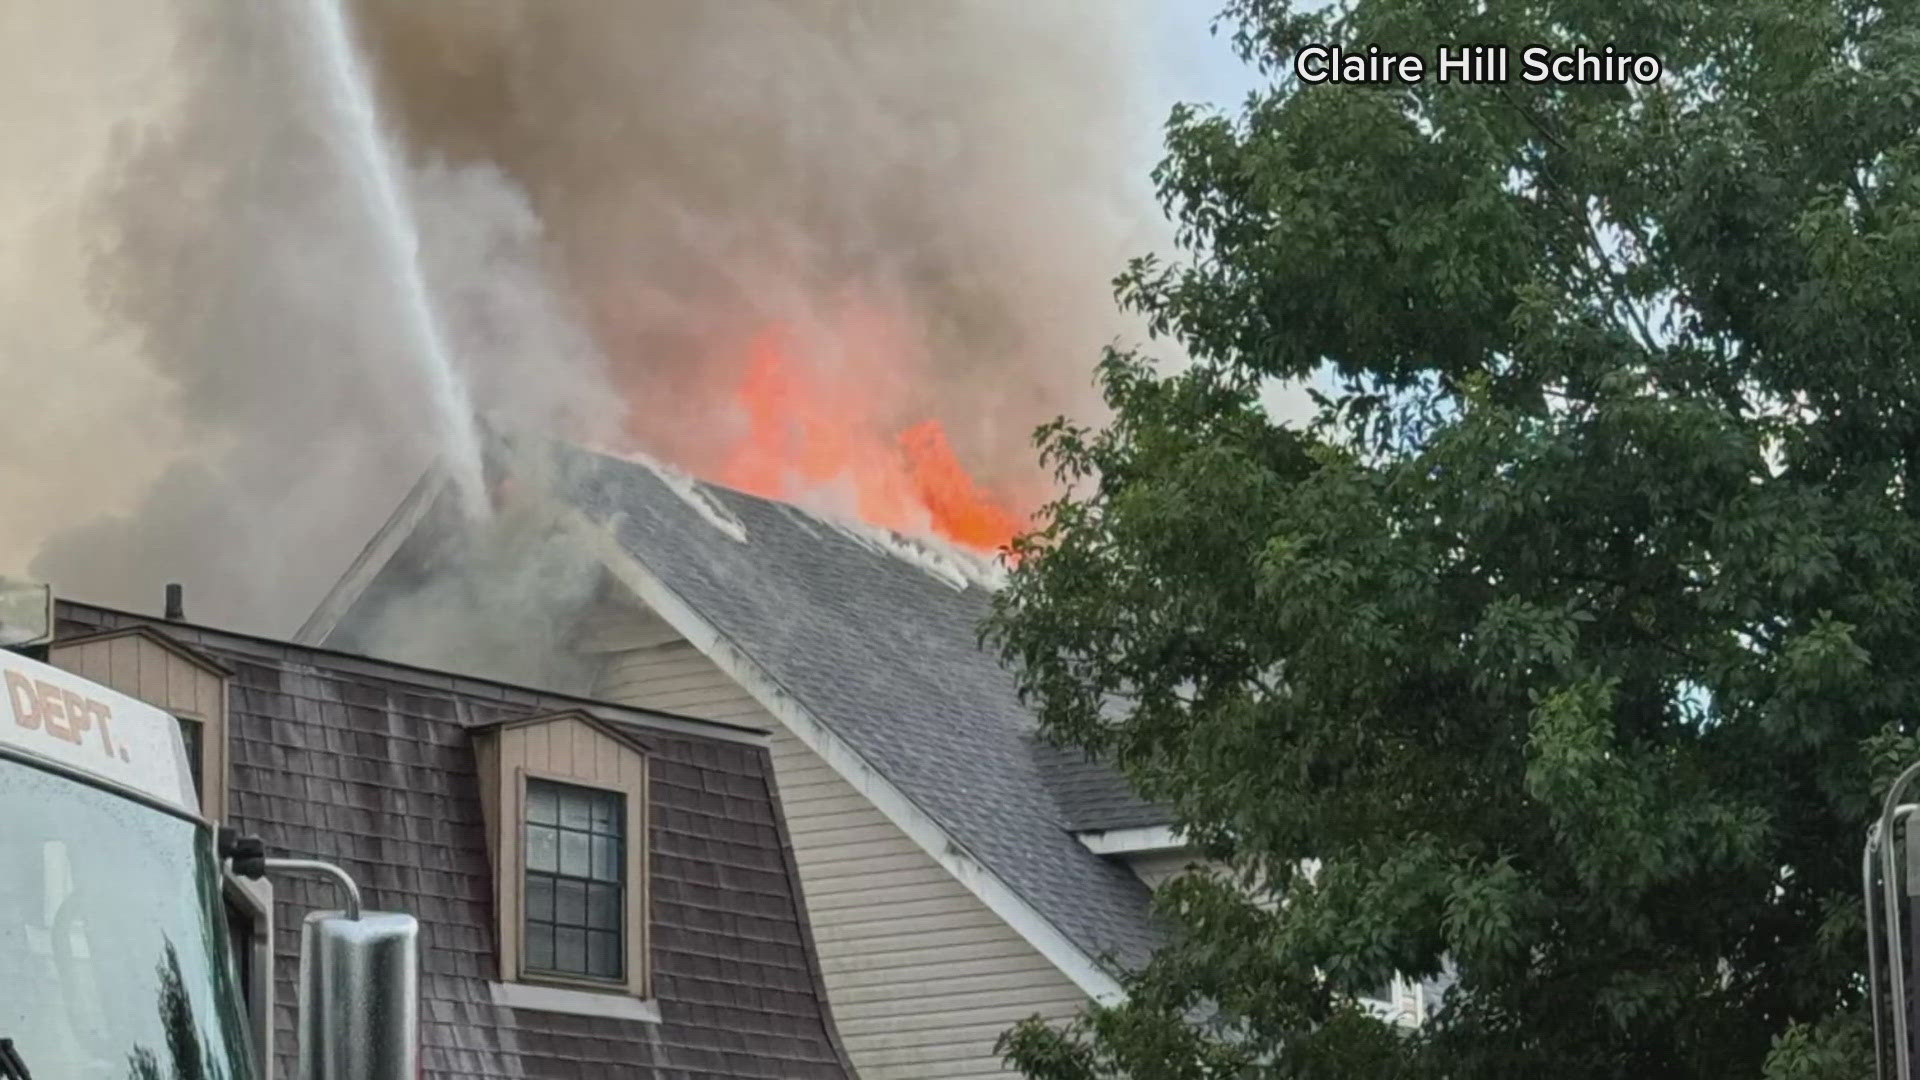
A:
{"x":1140,"y":841}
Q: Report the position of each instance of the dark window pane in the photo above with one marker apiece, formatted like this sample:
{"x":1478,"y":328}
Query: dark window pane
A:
{"x":570,"y":950}
{"x":190,"y":732}
{"x":575,"y":858}
{"x":575,"y":854}
{"x":540,"y":897}
{"x":540,"y":802}
{"x":603,"y":907}
{"x":542,"y":848}
{"x":606,"y":814}
{"x":603,"y":955}
{"x":570,"y":903}
{"x":540,"y":947}
{"x":606,"y":858}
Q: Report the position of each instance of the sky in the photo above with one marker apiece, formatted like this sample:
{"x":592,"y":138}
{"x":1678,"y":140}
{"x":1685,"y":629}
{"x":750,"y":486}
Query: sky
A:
{"x":1197,"y":64}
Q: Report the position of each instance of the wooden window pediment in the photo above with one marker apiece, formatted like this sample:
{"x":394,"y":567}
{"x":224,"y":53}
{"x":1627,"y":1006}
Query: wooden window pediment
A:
{"x":141,"y":662}
{"x":565,"y":799}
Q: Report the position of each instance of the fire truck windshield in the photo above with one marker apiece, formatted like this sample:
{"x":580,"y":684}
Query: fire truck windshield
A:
{"x":113,"y":954}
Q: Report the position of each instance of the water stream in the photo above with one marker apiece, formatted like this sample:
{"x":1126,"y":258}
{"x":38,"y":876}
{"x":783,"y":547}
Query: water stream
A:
{"x":370,"y":159}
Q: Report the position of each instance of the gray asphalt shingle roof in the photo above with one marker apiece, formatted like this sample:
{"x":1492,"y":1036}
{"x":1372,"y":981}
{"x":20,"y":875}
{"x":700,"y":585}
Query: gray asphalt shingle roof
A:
{"x":1092,"y":796}
{"x":886,"y":654}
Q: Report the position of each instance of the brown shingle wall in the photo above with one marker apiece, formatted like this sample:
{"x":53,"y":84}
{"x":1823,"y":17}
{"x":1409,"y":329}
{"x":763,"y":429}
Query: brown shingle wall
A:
{"x":378,"y":775}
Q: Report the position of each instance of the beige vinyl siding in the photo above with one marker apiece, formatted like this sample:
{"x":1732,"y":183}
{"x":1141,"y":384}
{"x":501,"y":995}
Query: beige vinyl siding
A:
{"x":139,"y":666}
{"x":676,"y":678}
{"x":923,"y":978}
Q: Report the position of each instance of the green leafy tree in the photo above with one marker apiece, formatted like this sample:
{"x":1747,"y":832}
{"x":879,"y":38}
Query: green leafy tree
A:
{"x":190,"y":1058}
{"x":1575,"y":636}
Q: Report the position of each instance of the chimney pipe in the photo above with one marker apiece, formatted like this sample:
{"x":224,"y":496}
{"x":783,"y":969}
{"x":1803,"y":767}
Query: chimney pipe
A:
{"x":176,"y":611}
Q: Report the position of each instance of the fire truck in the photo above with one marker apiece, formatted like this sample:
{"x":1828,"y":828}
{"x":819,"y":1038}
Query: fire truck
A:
{"x":117,"y":961}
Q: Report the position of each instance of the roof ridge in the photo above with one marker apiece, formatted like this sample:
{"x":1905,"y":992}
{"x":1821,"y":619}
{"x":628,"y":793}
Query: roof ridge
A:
{"x":693,"y":491}
{"x":944,"y":560}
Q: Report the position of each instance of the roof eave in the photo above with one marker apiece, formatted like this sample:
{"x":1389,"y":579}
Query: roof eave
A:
{"x":1143,"y":840}
{"x":373,"y":558}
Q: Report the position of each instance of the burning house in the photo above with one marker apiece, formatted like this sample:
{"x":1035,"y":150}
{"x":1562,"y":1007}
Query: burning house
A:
{"x":603,"y":890}
{"x":958,"y":873}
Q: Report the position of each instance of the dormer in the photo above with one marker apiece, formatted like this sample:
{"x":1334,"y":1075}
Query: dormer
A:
{"x":565,"y":797}
{"x":144,"y":663}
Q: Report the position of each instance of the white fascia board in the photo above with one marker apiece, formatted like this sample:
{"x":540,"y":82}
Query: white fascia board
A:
{"x":844,"y":760}
{"x":372,"y":559}
{"x":1139,"y":841}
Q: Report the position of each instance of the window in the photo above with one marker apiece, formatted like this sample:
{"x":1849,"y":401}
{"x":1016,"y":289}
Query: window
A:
{"x":565,"y":800}
{"x":575,"y":881}
{"x":192,"y":732}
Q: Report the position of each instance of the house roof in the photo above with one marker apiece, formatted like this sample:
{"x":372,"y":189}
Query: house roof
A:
{"x":1092,"y":796}
{"x":877,"y":639}
{"x":873,"y":637}
{"x":370,"y":765}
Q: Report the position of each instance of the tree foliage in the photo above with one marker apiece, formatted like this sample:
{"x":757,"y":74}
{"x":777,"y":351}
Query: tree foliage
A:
{"x":189,"y":1057}
{"x":1573,"y":636}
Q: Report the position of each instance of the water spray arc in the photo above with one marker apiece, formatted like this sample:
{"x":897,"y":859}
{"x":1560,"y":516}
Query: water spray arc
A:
{"x":370,"y":159}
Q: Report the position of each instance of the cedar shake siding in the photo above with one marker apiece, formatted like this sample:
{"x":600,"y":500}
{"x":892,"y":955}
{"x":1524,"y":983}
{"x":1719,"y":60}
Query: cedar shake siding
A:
{"x":373,"y":766}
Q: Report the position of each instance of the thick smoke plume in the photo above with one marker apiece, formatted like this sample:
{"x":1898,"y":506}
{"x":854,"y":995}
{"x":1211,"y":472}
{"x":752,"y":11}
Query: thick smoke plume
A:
{"x":614,"y":198}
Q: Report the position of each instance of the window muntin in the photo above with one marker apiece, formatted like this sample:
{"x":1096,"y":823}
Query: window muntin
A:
{"x":574,"y":903}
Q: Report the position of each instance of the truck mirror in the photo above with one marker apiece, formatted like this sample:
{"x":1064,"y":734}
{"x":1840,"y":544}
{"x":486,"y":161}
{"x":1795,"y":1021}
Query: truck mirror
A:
{"x":359,"y":996}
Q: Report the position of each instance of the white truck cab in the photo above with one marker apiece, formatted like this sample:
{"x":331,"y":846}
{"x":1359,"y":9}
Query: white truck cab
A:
{"x":115,"y":958}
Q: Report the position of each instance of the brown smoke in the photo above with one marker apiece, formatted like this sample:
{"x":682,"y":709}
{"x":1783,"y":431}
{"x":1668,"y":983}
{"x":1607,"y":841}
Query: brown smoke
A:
{"x":613,"y":198}
{"x":703,"y":168}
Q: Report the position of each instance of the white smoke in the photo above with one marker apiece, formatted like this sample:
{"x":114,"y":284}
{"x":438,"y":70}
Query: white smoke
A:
{"x":198,"y":358}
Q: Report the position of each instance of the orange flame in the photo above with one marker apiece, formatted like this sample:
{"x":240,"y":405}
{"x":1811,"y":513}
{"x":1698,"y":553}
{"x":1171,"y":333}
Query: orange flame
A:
{"x":807,"y":427}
